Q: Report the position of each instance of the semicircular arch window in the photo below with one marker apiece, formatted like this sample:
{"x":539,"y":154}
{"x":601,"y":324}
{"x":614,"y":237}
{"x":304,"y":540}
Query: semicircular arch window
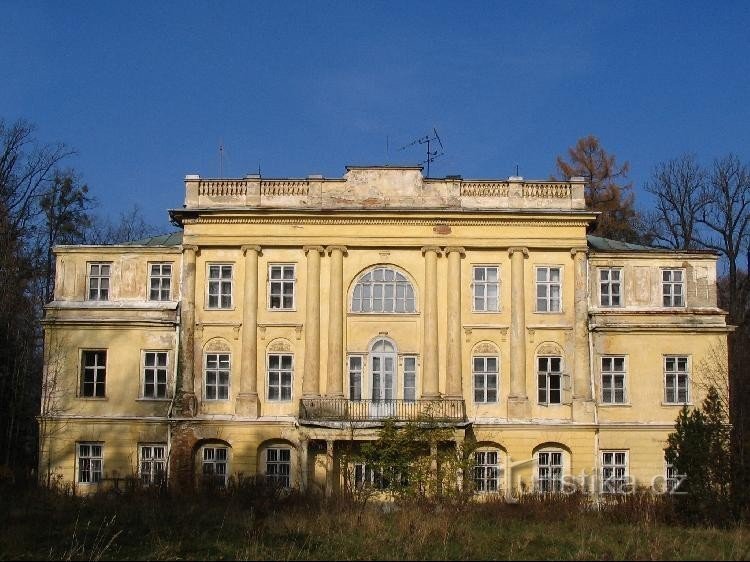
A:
{"x":383,"y":290}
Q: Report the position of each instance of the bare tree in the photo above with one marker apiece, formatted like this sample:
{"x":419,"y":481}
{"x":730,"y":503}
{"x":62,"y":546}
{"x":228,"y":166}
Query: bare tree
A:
{"x":129,"y":227}
{"x":679,"y":185}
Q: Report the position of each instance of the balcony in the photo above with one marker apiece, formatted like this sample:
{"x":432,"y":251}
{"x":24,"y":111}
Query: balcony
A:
{"x":344,"y":410}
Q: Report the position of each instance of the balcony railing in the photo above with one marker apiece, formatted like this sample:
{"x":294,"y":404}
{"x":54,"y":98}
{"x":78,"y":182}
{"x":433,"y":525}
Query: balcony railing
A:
{"x":342,"y":409}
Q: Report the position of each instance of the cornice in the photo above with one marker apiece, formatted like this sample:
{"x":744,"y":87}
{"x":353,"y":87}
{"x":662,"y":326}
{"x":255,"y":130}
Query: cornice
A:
{"x":453,"y":221}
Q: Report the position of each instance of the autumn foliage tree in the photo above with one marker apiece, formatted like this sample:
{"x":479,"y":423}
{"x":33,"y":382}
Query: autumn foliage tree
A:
{"x":607,"y":188}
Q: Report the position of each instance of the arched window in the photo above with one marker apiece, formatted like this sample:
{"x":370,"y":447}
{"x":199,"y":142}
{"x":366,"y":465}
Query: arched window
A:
{"x":383,"y":369}
{"x":488,"y":470}
{"x":383,"y":290}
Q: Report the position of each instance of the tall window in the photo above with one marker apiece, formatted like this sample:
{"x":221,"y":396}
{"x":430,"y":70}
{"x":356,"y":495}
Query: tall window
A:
{"x":383,"y":290}
{"x":220,"y":286}
{"x":160,"y":281}
{"x":549,"y":375}
{"x":548,"y":289}
{"x":613,"y":380}
{"x":99,"y":281}
{"x":153,"y":464}
{"x":410,"y":378}
{"x":281,"y":282}
{"x":549,"y":471}
{"x":215,"y":465}
{"x":216,"y":376}
{"x":487,"y":471}
{"x":93,"y":373}
{"x":610,"y":289}
{"x":155,"y":374}
{"x":485,"y":372}
{"x":672,"y":287}
{"x":90,"y":462}
{"x":355,"y":377}
{"x":382,"y":369}
{"x":676,"y":380}
{"x":280,"y":376}
{"x":673,"y":479}
{"x":279,"y":466}
{"x":486,"y":288}
{"x":615,"y":472}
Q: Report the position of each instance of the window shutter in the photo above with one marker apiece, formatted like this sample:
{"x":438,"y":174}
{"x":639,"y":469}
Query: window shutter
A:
{"x":567,"y":394}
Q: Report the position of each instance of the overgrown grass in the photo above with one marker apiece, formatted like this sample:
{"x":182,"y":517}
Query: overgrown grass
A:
{"x":253,"y":522}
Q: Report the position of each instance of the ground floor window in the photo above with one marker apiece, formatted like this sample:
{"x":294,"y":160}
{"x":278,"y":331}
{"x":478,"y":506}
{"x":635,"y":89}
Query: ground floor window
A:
{"x":615,"y":472}
{"x":153,"y":464}
{"x":90,"y":462}
{"x":487,"y":471}
{"x":215,"y":465}
{"x":279,"y":466}
{"x":378,"y":478}
{"x":549,"y":471}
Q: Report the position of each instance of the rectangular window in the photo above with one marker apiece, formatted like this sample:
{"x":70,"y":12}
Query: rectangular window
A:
{"x":672,"y":287}
{"x":93,"y":373}
{"x":153,"y":464}
{"x":487,"y":471}
{"x":549,"y":374}
{"x":215,"y":465}
{"x":673,"y":479}
{"x":676,"y":380}
{"x":549,"y":471}
{"x":378,"y":478}
{"x":613,"y":380}
{"x":99,"y":281}
{"x":610,"y":287}
{"x":281,"y":283}
{"x":155,"y":374}
{"x":216,"y":376}
{"x":486,"y":284}
{"x":279,"y":467}
{"x":615,"y":472}
{"x":355,"y":377}
{"x":90,"y":462}
{"x":485,"y":373}
{"x":220,"y":286}
{"x":410,"y":378}
{"x":160,"y":281}
{"x":548,"y":289}
{"x":280,"y":377}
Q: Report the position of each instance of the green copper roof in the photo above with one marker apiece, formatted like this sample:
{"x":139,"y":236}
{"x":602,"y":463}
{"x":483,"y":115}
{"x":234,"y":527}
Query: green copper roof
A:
{"x":605,"y":244}
{"x":171,"y":239}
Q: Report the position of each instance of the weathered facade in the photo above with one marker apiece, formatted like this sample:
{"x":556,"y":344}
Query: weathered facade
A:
{"x":291,"y":311}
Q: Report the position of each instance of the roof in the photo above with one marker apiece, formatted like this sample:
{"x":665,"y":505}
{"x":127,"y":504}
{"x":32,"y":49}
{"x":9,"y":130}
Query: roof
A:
{"x":171,"y":239}
{"x":599,"y":243}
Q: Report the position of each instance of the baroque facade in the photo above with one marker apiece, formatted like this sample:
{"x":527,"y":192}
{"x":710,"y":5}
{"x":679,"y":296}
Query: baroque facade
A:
{"x":289,"y":311}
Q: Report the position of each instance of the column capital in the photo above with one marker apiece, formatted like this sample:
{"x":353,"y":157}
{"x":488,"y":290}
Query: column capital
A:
{"x":247,"y":247}
{"x":458,"y":249}
{"x":580,"y":250}
{"x":435,"y":249}
{"x":512,"y":250}
{"x":319,"y":249}
{"x":190,"y":248}
{"x":330,"y":249}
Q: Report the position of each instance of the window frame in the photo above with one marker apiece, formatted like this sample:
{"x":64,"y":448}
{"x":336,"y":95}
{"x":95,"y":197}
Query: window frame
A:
{"x":221,"y":281}
{"x":480,"y":471}
{"x":613,"y":373}
{"x":485,"y":374}
{"x":475,"y":284}
{"x":614,"y":484}
{"x":280,"y":372}
{"x":90,"y":457}
{"x":82,"y":374}
{"x":351,"y":371}
{"x":682,"y":284}
{"x":677,"y":373}
{"x":407,"y":284}
{"x":155,"y":367}
{"x":152,"y":461}
{"x":223,"y":482}
{"x":404,"y":358}
{"x":556,"y":480}
{"x":548,"y":388}
{"x":549,"y":285}
{"x":273,"y":477}
{"x":283,"y":281}
{"x":609,"y":283}
{"x":90,"y":276}
{"x":218,"y":369}
{"x":161,"y":277}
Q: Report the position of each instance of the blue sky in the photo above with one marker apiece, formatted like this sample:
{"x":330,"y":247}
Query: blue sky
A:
{"x":147,"y":91}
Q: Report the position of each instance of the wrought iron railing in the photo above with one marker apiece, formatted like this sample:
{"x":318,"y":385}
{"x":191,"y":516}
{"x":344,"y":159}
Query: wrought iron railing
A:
{"x":342,"y":409}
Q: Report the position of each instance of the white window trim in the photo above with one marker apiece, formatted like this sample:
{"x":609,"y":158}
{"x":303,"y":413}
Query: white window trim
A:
{"x":208,"y":284}
{"x":290,"y":463}
{"x":165,"y":460}
{"x":561,"y":283}
{"x":564,"y":468}
{"x":402,"y":367}
{"x":268,"y":373}
{"x":171,"y":284}
{"x":626,"y":380}
{"x":500,"y":466}
{"x":564,"y":377}
{"x":205,"y":379}
{"x":497,"y":386}
{"x":683,"y":283}
{"x":626,"y":477}
{"x":99,"y":289}
{"x":689,"y":378}
{"x":358,"y":280}
{"x":81,"y":371}
{"x":78,"y":463}
{"x":294,"y":287}
{"x":227,"y":461}
{"x":142,"y":394}
{"x":499,"y":288}
{"x":621,"y":283}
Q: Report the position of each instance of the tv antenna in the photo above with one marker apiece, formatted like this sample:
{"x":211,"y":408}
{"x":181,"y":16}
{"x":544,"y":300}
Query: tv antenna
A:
{"x":429,"y":139}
